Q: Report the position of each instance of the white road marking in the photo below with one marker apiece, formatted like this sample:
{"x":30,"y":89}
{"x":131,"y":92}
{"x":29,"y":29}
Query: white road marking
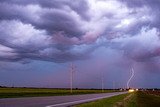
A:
{"x":80,"y":101}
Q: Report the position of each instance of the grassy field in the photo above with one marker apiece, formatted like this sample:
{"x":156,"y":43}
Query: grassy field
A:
{"x":144,"y":99}
{"x":147,"y":100}
{"x":132,"y":101}
{"x":136,"y":99}
{"x":33,"y":92}
{"x":107,"y":102}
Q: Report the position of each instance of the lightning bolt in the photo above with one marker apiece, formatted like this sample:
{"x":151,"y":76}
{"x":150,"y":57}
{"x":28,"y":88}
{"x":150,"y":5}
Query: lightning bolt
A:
{"x":132,"y":71}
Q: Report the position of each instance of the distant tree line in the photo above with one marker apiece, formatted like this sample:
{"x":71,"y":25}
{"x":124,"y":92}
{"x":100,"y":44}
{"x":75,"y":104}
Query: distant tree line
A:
{"x":3,"y":87}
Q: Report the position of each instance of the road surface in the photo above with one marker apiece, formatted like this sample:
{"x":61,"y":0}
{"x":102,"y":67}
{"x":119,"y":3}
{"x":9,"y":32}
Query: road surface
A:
{"x":54,"y":101}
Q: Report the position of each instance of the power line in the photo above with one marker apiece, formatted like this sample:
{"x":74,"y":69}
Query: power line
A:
{"x":72,"y":70}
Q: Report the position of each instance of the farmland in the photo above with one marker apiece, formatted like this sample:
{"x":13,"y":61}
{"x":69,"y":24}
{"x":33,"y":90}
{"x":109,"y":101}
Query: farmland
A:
{"x":34,"y":92}
{"x":146,"y":99}
{"x":157,"y":92}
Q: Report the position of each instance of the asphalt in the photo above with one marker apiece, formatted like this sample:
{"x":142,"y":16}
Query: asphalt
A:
{"x":54,"y":101}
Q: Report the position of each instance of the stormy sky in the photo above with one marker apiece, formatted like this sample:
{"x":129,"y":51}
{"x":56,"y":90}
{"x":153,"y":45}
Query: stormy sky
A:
{"x":40,"y":38}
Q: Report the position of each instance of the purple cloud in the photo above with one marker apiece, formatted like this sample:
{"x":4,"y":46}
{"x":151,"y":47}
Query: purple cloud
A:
{"x":62,"y":31}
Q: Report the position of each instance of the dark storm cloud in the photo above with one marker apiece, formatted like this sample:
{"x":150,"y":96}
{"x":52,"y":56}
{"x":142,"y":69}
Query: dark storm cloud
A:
{"x":142,"y":47}
{"x":140,"y":3}
{"x":50,"y":19}
{"x":66,"y":30}
{"x":154,"y":5}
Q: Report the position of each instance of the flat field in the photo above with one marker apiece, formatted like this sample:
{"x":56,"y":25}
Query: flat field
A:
{"x":148,"y":99}
{"x":35,"y":92}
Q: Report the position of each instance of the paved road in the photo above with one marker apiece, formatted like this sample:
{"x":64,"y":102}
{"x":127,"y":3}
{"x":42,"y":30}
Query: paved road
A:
{"x":54,"y":101}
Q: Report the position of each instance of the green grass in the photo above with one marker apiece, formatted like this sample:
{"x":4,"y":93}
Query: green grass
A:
{"x":137,"y":99}
{"x":132,"y":101}
{"x":106,"y":102}
{"x":142,"y":99}
{"x":34,"y":92}
{"x":147,"y":100}
{"x":125,"y":100}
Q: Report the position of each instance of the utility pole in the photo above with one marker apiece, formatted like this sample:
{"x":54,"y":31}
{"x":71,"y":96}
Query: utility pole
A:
{"x":71,"y":77}
{"x":102,"y":80}
{"x":114,"y":85}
